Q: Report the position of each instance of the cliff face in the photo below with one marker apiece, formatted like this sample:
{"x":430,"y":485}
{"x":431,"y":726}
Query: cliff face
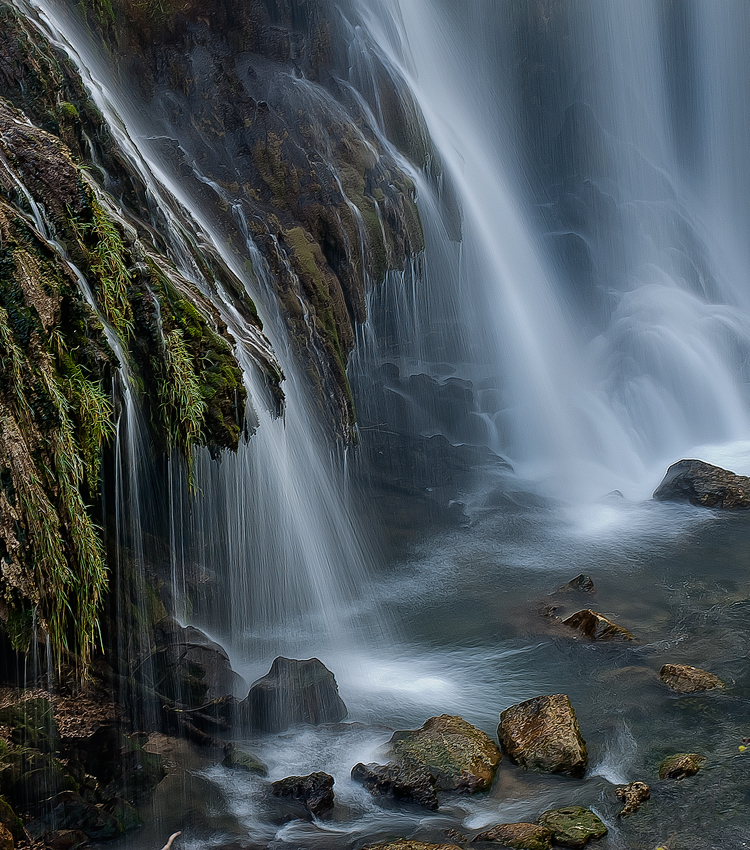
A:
{"x":93,"y":312}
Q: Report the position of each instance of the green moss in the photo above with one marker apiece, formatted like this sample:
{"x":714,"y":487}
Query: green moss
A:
{"x":68,"y":110}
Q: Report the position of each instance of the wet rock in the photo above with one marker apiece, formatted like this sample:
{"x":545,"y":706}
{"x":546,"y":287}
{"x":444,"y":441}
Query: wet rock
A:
{"x":704,"y":485}
{"x":596,"y":627}
{"x":293,"y":692}
{"x":520,"y":836}
{"x":581,"y":583}
{"x":27,"y":776}
{"x":68,"y":810}
{"x":240,"y":760}
{"x":389,"y":780}
{"x":573,"y":826}
{"x":458,"y":755}
{"x":633,"y":795}
{"x":688,"y":680}
{"x":66,"y":839}
{"x":681,"y":765}
{"x":455,"y":835}
{"x":126,"y":815}
{"x":33,"y":724}
{"x":405,"y":844}
{"x":543,"y":734}
{"x":314,"y":792}
{"x":188,"y":668}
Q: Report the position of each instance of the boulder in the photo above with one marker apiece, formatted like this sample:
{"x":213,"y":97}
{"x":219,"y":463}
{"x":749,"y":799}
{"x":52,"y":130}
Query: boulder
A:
{"x":405,"y":844}
{"x":293,"y":692}
{"x":458,"y":755}
{"x":65,"y":839}
{"x":314,"y":792}
{"x":27,"y":776}
{"x":240,"y":760}
{"x":704,"y":485}
{"x":689,"y":680}
{"x":633,"y":795}
{"x":520,"y":836}
{"x":596,"y":627}
{"x":389,"y":780}
{"x":543,"y":734}
{"x":33,"y":724}
{"x":188,"y":668}
{"x":6,"y":838}
{"x":573,"y":826}
{"x":68,"y":810}
{"x":681,"y":765}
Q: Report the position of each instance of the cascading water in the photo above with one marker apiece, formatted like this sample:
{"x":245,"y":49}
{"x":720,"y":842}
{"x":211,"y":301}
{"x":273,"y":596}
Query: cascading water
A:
{"x":600,"y":284}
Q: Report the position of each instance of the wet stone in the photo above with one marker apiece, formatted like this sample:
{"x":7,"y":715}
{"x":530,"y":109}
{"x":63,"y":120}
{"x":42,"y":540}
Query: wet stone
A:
{"x":633,"y":795}
{"x":689,"y":680}
{"x":404,"y":844}
{"x":314,"y":792}
{"x":704,"y":485}
{"x":681,"y":766}
{"x":240,"y":760}
{"x":573,"y":826}
{"x":520,"y":836}
{"x":390,"y":780}
{"x":581,"y":583}
{"x":596,"y":627}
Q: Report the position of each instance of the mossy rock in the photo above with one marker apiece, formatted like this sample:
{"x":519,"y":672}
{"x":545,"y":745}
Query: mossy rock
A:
{"x":689,"y":680}
{"x":28,"y":776}
{"x":33,"y":724}
{"x":405,"y":844}
{"x":519,"y":836}
{"x":573,"y":826}
{"x":457,"y":754}
{"x":681,"y":765}
{"x":240,"y":760}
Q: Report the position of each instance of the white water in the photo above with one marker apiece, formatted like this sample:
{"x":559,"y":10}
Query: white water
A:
{"x":599,"y":390}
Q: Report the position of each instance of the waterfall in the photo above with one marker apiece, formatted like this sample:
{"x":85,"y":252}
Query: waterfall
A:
{"x":596,"y":152}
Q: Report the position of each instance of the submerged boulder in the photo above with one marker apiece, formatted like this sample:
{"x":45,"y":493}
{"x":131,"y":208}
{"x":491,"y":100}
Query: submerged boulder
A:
{"x":459,"y":756}
{"x":293,"y":692}
{"x":519,"y":836}
{"x":314,"y":792}
{"x":581,"y":583}
{"x":633,"y":795}
{"x":543,"y":734}
{"x":389,"y":780}
{"x":681,"y":765}
{"x":573,"y":826}
{"x":596,"y":627}
{"x":689,"y":680}
{"x":704,"y":485}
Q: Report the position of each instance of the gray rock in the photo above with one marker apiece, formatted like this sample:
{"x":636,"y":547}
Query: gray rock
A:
{"x":314,"y":792}
{"x":389,"y":780}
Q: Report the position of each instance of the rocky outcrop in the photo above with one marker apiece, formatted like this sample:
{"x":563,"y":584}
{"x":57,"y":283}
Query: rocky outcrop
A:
{"x":681,"y":765}
{"x":704,"y":485}
{"x":573,"y":826}
{"x":459,"y":756}
{"x":543,"y":734}
{"x":596,"y":627}
{"x":314,"y":792}
{"x":293,"y":692}
{"x":520,"y":836}
{"x":405,"y":785}
{"x":633,"y":796}
{"x":689,"y":680}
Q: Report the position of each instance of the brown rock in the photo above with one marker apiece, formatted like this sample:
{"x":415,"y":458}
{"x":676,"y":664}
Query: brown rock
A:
{"x":594,"y":626}
{"x":520,"y":836}
{"x":6,"y":838}
{"x":633,"y":796}
{"x":458,"y":755}
{"x":543,"y":733}
{"x":689,"y":680}
{"x":681,"y":765}
{"x":704,"y":485}
{"x":404,"y":844}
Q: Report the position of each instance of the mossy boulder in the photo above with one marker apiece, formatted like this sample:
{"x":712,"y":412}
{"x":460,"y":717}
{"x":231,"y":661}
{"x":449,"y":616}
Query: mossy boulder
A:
{"x":458,"y":755}
{"x":27,"y":776}
{"x":33,"y":724}
{"x":704,"y":485}
{"x":520,"y":836}
{"x":314,"y":792}
{"x":681,"y":765}
{"x":68,"y":810}
{"x":689,"y":680}
{"x":543,"y":734}
{"x":573,"y":826}
{"x":597,"y":627}
{"x":240,"y":760}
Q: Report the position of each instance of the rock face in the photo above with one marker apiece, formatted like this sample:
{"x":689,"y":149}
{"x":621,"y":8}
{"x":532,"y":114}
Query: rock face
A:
{"x":704,"y":485}
{"x":681,"y":766}
{"x":459,"y":756}
{"x":293,"y":692}
{"x":390,"y":780}
{"x":573,"y":826}
{"x":633,"y":796}
{"x":314,"y":792}
{"x":520,"y":836}
{"x":689,"y":680}
{"x":594,"y":626}
{"x":543,"y":734}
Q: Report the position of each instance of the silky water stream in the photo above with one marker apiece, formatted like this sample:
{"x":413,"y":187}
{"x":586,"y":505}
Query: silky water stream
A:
{"x":593,"y":318}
